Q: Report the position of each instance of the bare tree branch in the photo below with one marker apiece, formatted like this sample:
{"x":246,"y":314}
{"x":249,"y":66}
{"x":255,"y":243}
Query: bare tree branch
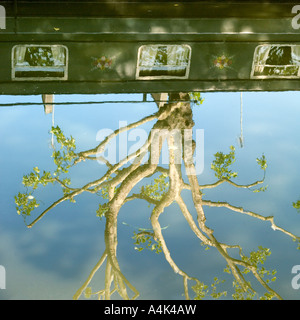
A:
{"x":120,"y":179}
{"x":249,"y":213}
{"x":90,"y":277}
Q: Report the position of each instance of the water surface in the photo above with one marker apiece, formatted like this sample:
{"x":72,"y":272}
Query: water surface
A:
{"x":52,"y":259}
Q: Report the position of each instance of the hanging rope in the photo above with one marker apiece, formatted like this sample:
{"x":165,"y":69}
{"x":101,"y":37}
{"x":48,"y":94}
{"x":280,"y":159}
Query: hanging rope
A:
{"x":241,"y":138}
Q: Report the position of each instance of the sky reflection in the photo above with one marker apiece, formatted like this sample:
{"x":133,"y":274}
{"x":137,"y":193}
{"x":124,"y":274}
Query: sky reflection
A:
{"x":51,"y":260}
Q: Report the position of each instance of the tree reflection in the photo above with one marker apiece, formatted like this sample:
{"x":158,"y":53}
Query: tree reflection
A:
{"x":116,"y":188}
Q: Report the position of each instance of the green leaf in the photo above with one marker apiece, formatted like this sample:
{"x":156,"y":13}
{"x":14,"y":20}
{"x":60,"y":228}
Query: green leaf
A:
{"x":296,"y":205}
{"x":102,"y":210}
{"x":200,"y":290}
{"x":25,"y":203}
{"x":262,"y":162}
{"x":88,"y":292}
{"x":261,"y":189}
{"x":221,"y":164}
{"x":36,"y":169}
{"x":63,"y":159}
{"x":196,"y":98}
{"x":144,"y":241}
{"x":157,"y":189}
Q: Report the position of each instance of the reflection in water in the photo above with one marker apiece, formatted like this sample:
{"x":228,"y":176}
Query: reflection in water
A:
{"x":170,"y":179}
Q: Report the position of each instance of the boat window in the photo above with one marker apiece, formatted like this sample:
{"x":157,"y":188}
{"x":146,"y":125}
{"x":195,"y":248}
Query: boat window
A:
{"x":163,"y":61}
{"x":276,"y":61}
{"x":39,"y":62}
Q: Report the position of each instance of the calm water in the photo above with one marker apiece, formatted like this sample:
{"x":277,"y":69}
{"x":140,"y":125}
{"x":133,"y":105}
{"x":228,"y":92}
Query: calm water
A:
{"x":53,"y":259}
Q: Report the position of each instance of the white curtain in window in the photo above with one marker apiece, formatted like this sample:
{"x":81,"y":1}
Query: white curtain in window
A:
{"x":20,"y":55}
{"x":178,"y":55}
{"x":261,"y":58}
{"x":296,"y":54}
{"x":148,"y":55}
{"x":58,"y":53}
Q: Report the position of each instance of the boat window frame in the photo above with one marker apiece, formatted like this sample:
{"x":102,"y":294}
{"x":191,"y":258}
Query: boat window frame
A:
{"x":48,"y":78}
{"x":162,"y":77}
{"x":273,"y":76}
